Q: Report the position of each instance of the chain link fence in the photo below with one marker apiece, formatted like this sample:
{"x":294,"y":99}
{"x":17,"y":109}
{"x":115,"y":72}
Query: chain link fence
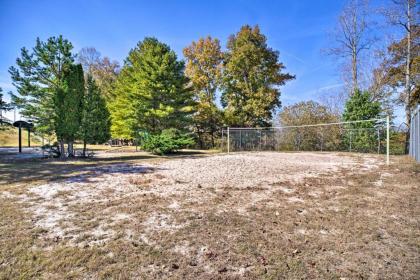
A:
{"x":415,"y":134}
{"x":364,"y":136}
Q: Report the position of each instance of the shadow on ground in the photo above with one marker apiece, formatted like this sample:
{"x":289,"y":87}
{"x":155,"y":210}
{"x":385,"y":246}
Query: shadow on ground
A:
{"x":35,"y":170}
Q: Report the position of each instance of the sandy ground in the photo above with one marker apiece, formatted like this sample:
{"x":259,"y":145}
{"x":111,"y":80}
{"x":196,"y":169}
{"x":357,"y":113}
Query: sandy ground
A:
{"x":225,"y":216}
{"x":27,"y":153}
{"x":183,"y":182}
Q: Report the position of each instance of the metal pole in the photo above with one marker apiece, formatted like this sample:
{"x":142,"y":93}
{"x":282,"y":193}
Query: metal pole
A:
{"x":29,"y":137}
{"x":20,"y":138}
{"x":351,"y":133}
{"x":240,"y":140}
{"x":228,"y":140}
{"x":387,"y":140}
{"x":379,"y":141}
{"x":221,"y":142}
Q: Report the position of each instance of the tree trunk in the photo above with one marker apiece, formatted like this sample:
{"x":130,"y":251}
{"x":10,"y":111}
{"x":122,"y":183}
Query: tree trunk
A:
{"x":212,"y":138}
{"x":200,"y":139}
{"x":408,"y":79}
{"x":84,"y":148}
{"x":62,"y":150}
{"x":354,"y":71}
{"x":70,"y":149}
{"x":407,"y":134}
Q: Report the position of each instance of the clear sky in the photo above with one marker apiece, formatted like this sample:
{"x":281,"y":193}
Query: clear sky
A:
{"x":298,"y":29}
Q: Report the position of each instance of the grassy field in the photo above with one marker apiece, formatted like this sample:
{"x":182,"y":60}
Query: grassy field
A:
{"x":210,"y":216}
{"x":9,"y":138}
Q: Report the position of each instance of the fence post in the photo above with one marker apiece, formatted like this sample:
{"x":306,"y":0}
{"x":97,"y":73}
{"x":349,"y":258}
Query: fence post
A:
{"x":379,"y":142}
{"x":414,"y":143}
{"x":418,"y":132}
{"x":240,"y":139}
{"x":387,"y":139}
{"x":351,"y":133}
{"x":221,"y":142}
{"x":411,"y":141}
{"x":417,"y":156}
{"x":228,"y":140}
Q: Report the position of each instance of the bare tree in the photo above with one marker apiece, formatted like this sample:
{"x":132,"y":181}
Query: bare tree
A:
{"x":103,"y":70}
{"x":404,"y":13}
{"x":89,"y":57}
{"x":352,"y":37}
{"x":334,"y":100}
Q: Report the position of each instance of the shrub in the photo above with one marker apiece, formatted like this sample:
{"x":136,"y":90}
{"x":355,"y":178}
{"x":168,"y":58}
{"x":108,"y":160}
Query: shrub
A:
{"x":169,"y":141}
{"x":52,"y":150}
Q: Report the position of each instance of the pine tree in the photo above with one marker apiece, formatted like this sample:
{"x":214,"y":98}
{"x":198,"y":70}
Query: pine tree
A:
{"x":68,"y":106}
{"x":95,"y":126}
{"x":38,"y":77}
{"x":4,"y":106}
{"x":152,"y":93}
{"x":361,"y":107}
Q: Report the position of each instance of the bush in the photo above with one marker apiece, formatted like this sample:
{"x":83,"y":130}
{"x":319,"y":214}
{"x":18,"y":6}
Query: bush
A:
{"x":169,"y":141}
{"x":52,"y":150}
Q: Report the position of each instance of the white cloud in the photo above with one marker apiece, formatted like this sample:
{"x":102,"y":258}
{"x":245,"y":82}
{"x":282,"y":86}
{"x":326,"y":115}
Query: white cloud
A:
{"x":317,"y":90}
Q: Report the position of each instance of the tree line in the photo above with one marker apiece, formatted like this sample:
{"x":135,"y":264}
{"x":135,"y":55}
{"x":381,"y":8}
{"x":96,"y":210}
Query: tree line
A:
{"x":157,"y":98}
{"x":155,"y":91}
{"x":78,"y":96}
{"x":378,"y":50}
{"x":58,"y":96}
{"x":379,"y":66}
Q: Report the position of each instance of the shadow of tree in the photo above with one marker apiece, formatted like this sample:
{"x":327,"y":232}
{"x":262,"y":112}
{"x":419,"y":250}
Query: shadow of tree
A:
{"x":38,"y":170}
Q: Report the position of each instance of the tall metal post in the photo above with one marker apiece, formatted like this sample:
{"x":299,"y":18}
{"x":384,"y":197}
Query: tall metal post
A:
{"x":221,"y":142}
{"x":387,"y":140}
{"x":228,"y":140}
{"x":351,"y":133}
{"x":240,"y":140}
{"x":20,"y":138}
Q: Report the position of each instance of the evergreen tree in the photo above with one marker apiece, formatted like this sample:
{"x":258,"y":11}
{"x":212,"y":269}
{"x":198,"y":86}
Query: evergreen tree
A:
{"x":38,"y":77}
{"x":151,"y":92}
{"x":252,"y":75}
{"x":361,"y":107}
{"x":4,"y":106}
{"x":96,"y":123}
{"x":68,"y":106}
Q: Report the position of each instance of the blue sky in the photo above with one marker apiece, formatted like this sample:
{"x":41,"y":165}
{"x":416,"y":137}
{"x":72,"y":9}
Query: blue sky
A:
{"x":297,"y":29}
